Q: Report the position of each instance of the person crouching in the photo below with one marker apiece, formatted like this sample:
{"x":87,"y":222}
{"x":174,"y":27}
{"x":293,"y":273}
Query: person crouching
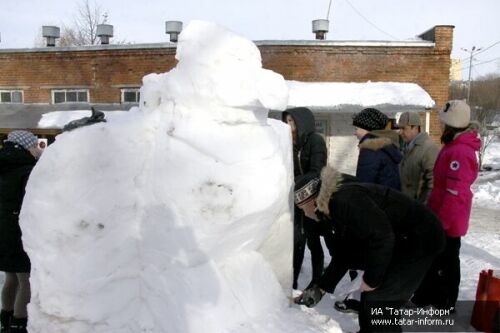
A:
{"x":392,"y":238}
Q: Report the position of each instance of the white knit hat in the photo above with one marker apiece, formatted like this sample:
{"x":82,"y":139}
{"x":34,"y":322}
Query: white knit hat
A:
{"x":456,"y":113}
{"x":25,"y":139}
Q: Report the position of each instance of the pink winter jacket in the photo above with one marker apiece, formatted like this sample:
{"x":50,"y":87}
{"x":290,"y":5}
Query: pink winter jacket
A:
{"x":455,"y":170}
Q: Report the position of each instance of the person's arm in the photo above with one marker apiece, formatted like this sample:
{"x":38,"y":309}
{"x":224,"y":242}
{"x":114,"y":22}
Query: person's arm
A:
{"x":317,"y":159}
{"x":427,"y":166}
{"x":461,"y":171}
{"x":368,"y":166}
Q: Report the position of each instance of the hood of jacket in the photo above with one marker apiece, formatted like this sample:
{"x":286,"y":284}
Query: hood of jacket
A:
{"x":331,"y":180}
{"x":382,"y":143}
{"x":304,"y":120}
{"x":469,"y":138}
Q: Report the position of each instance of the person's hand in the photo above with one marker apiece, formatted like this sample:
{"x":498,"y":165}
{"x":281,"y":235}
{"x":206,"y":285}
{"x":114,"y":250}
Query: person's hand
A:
{"x":310,"y":297}
{"x":364,"y":287}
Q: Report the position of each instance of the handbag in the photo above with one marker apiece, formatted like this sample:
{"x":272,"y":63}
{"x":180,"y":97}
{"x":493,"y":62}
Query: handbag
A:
{"x":486,"y":311}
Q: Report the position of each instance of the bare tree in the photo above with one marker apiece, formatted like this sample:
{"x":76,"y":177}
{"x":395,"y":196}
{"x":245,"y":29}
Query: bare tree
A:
{"x":84,"y":29}
{"x":485,"y":106}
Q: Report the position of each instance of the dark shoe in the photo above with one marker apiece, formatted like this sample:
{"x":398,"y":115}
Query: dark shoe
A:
{"x":5,"y":318}
{"x":347,"y":306}
{"x":18,"y":325}
{"x":310,"y":297}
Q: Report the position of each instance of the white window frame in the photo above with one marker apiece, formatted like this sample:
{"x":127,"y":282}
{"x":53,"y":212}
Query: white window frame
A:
{"x":65,"y":91}
{"x":12,"y":91}
{"x":127,"y":90}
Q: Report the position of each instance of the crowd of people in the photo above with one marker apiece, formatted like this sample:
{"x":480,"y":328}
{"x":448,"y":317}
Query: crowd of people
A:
{"x":397,"y":222}
{"x":400,"y":220}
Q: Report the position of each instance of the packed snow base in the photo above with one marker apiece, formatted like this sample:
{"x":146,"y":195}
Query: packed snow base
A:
{"x":175,"y":216}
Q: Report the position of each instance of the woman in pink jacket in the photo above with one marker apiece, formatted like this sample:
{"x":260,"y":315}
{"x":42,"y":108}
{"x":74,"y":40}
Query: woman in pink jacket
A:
{"x":455,"y":170}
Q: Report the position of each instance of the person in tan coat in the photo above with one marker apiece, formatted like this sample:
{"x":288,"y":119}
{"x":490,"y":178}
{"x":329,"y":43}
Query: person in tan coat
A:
{"x":420,"y":154}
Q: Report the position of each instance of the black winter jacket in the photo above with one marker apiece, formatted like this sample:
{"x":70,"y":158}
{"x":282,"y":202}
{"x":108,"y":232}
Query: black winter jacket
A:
{"x":378,"y":161}
{"x":309,"y":154}
{"x":16,"y":164}
{"x":374,"y":227}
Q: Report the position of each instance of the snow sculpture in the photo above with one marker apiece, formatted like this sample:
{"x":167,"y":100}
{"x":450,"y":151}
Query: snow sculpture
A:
{"x":175,"y":216}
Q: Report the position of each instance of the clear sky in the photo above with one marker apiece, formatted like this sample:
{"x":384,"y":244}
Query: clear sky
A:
{"x":476,"y":22}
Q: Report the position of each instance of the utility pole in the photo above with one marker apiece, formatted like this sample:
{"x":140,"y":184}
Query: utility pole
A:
{"x":470,"y":70}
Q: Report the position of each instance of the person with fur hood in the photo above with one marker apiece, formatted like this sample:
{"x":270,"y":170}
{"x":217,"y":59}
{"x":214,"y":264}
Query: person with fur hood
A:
{"x":455,"y":171}
{"x":17,"y":158}
{"x":391,"y":237}
{"x":379,"y":155}
{"x":309,"y":157}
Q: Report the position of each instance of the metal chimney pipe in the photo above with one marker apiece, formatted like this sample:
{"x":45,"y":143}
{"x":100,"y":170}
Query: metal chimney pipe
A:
{"x":320,"y":28}
{"x":105,"y":32}
{"x":173,"y":28}
{"x":51,"y":33}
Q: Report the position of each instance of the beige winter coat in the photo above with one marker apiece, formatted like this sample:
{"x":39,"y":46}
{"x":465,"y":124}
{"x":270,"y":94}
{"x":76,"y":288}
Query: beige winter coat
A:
{"x":417,"y":166}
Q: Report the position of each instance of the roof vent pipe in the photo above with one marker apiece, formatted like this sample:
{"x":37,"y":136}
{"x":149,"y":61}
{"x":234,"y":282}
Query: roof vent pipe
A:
{"x":51,"y":33}
{"x":105,"y":32}
{"x":173,"y":28}
{"x":320,"y":28}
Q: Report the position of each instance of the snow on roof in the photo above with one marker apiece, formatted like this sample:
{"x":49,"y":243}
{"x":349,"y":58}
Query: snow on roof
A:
{"x":352,"y":97}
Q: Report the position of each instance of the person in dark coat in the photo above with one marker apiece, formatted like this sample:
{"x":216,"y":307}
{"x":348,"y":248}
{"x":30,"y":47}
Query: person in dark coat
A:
{"x":17,"y":158}
{"x":309,"y":157}
{"x":391,"y":237}
{"x":379,"y":154}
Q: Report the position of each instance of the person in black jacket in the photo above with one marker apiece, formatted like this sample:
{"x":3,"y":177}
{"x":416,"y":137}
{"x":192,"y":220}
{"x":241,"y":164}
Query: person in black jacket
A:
{"x":379,"y":230}
{"x":379,"y":154}
{"x":17,"y":159}
{"x":309,"y":157}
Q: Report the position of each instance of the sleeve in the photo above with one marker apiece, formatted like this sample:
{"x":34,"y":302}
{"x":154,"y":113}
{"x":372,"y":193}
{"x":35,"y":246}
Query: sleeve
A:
{"x":427,"y":166}
{"x":317,"y":160}
{"x":374,"y":232}
{"x":368,"y":166}
{"x":461,"y":171}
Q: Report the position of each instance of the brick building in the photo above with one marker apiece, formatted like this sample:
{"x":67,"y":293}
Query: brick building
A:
{"x":39,"y":80}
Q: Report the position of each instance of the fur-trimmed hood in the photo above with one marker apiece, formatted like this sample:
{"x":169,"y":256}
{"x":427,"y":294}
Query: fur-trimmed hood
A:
{"x":331,"y":180}
{"x":382,"y":143}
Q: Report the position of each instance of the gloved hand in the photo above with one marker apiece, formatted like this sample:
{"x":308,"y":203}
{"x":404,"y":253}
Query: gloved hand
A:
{"x":310,"y":297}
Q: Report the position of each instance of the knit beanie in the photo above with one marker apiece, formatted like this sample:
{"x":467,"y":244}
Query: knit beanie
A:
{"x":370,"y":119}
{"x":25,"y":139}
{"x":306,"y":188}
{"x":456,"y":113}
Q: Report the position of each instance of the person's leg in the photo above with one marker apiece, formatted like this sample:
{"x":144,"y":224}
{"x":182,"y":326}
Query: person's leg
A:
{"x":452,"y":270}
{"x":299,"y":245}
{"x":313,"y":240}
{"x":20,"y":319}
{"x":401,"y":281}
{"x":8,"y":299}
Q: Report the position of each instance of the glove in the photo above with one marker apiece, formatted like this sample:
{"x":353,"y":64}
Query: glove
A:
{"x":310,"y":297}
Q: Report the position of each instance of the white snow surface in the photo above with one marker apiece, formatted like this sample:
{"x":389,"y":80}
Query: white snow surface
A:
{"x":353,"y":96}
{"x":175,"y":216}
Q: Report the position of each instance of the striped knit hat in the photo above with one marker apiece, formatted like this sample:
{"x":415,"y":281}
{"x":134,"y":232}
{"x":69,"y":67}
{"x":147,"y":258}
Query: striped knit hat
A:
{"x":25,"y":139}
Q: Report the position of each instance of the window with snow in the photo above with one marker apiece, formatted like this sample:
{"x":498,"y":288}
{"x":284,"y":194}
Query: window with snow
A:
{"x":130,"y":95}
{"x":70,"y":96}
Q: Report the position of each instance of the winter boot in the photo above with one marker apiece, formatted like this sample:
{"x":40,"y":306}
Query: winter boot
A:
{"x":5,"y":319}
{"x":18,"y":325}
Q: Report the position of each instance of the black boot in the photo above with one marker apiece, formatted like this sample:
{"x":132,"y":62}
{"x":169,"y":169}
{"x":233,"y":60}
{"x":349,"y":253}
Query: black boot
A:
{"x":18,"y":325}
{"x":5,"y":318}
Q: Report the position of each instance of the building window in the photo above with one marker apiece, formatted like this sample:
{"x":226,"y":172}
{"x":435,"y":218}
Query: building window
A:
{"x":11,"y":96}
{"x":131,"y":95}
{"x":70,"y":96}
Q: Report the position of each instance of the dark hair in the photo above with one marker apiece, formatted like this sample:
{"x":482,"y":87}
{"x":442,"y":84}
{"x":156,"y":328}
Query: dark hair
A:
{"x":449,"y":133}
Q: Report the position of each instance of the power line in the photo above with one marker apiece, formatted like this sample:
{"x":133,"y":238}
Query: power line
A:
{"x":367,"y":20}
{"x":329,"y":7}
{"x":482,"y":63}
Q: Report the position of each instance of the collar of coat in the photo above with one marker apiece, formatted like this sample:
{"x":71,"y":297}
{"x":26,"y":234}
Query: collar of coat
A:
{"x":331,"y":181}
